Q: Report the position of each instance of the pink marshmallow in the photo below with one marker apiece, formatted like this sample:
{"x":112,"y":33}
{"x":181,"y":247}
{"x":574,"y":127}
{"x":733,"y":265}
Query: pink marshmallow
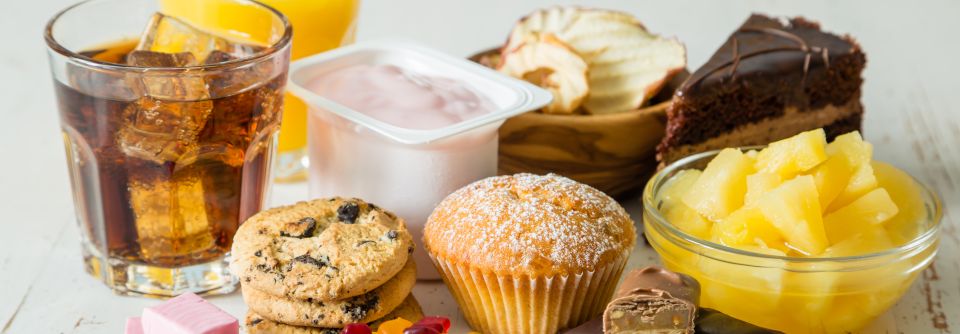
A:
{"x":134,"y":326}
{"x":188,"y":314}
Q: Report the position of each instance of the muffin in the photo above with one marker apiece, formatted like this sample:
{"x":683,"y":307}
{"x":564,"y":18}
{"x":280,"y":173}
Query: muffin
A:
{"x":529,"y":253}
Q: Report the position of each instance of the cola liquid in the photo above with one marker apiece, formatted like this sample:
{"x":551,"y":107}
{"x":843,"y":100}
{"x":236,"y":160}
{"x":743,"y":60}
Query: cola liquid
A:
{"x":166,"y":168}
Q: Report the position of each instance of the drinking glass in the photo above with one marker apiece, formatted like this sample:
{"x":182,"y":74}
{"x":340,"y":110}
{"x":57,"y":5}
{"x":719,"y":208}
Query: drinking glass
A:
{"x":166,"y":162}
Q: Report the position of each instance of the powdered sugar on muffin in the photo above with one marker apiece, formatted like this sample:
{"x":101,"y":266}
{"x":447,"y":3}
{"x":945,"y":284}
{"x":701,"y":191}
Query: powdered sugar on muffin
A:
{"x":526,"y":224}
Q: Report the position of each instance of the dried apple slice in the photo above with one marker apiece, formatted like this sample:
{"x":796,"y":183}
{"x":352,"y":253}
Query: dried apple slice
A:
{"x":628,"y":65}
{"x":546,"y":62}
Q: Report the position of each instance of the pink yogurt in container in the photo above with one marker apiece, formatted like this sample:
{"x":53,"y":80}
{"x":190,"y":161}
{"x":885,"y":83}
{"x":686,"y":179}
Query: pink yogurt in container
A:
{"x":403,"y":126}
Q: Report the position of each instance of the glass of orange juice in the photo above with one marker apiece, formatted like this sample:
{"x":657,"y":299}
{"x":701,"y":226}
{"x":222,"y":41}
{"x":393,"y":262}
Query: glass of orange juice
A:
{"x":318,"y":25}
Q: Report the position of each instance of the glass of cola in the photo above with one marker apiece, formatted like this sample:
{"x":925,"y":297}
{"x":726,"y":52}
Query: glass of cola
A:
{"x":170,"y":131}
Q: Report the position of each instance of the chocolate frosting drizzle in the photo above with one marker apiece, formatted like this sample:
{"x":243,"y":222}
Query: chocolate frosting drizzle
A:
{"x":735,"y":60}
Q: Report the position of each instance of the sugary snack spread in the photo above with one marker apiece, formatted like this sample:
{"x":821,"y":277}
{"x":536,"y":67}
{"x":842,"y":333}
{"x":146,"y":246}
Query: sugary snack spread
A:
{"x":800,"y":236}
{"x":787,"y":211}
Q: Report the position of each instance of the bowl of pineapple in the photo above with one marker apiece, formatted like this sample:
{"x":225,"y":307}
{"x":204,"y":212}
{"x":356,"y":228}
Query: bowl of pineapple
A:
{"x":801,"y":236}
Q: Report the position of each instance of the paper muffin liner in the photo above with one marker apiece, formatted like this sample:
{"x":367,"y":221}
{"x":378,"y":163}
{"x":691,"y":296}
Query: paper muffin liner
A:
{"x":529,"y":305}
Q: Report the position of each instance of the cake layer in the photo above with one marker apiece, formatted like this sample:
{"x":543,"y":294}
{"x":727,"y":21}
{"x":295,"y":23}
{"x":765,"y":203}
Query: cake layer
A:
{"x":835,"y":120}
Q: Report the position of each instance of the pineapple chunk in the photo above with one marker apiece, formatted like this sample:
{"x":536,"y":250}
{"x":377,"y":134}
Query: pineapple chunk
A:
{"x":873,"y":240}
{"x":794,"y":209}
{"x":882,"y":274}
{"x":856,"y":310}
{"x":764,"y":304}
{"x":862,"y":182}
{"x":868,"y":211}
{"x":766,"y":251}
{"x":674,"y":257}
{"x":847,"y":315}
{"x":729,"y":230}
{"x":793,"y":155}
{"x":688,"y":220}
{"x":911,"y":221}
{"x":752,"y":154}
{"x":759,"y":184}
{"x":726,"y":282}
{"x":877,"y":287}
{"x":851,"y":148}
{"x":880,"y":295}
{"x":831,"y":177}
{"x":720,"y":189}
{"x":816,"y":282}
{"x":763,"y":274}
{"x":748,"y":227}
{"x":676,"y":186}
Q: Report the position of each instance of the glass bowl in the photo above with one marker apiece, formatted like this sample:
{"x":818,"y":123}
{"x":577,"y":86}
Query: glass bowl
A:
{"x":789,"y":294}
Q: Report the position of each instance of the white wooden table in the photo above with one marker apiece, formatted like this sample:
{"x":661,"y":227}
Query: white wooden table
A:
{"x":912,"y":117}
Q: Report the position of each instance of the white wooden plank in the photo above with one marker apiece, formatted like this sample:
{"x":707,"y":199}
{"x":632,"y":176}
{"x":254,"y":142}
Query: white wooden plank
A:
{"x":35,"y":200}
{"x":932,"y":303}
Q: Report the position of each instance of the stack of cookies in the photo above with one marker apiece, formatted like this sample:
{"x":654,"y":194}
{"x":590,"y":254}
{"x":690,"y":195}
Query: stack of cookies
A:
{"x":318,"y":266}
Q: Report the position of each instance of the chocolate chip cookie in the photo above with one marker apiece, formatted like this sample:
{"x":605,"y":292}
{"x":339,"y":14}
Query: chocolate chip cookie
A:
{"x":321,"y":250}
{"x":409,"y":309}
{"x":358,"y":309}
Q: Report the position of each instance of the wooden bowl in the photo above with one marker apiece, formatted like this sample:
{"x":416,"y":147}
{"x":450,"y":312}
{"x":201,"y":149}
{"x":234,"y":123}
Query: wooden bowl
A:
{"x":613,"y":153}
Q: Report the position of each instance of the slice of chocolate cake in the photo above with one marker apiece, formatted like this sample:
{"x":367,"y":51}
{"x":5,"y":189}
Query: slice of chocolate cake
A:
{"x":771,"y":80}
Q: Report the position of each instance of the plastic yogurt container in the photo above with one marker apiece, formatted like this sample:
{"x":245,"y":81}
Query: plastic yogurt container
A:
{"x":408,"y":172}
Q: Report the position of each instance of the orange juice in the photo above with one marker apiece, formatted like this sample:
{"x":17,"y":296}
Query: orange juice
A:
{"x":318,"y":25}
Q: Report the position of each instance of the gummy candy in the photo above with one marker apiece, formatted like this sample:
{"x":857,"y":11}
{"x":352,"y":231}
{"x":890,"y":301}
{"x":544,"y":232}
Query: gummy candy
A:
{"x":356,"y":329}
{"x":395,"y":326}
{"x":420,"y":330}
{"x":444,"y":321}
{"x":434,"y":326}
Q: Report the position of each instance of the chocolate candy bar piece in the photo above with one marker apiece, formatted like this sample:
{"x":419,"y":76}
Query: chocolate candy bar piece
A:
{"x":713,"y":322}
{"x":709,"y":321}
{"x":594,"y":326}
{"x":653,"y":300}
